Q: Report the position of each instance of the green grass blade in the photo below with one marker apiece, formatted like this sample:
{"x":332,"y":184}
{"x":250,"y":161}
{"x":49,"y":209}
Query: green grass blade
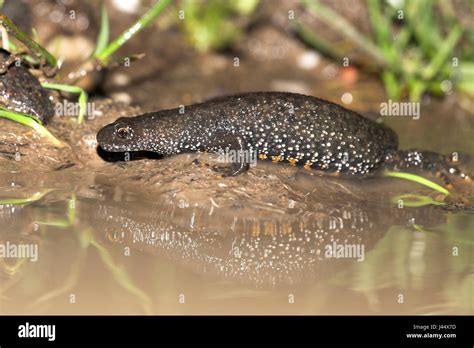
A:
{"x":402,"y":39}
{"x":103,"y":37}
{"x":466,"y":69}
{"x":145,"y":20}
{"x":39,"y":51}
{"x":63,"y":223}
{"x":443,"y":53}
{"x":56,"y":223}
{"x":391,"y":84}
{"x":416,"y":89}
{"x":418,"y":179}
{"x":419,"y":15}
{"x":62,"y":87}
{"x":82,"y":106}
{"x":122,"y":277}
{"x":414,"y":201}
{"x":316,"y":42}
{"x":20,"y":201}
{"x":29,"y":121}
{"x":71,"y":89}
{"x":380,"y":26}
{"x":341,"y":25}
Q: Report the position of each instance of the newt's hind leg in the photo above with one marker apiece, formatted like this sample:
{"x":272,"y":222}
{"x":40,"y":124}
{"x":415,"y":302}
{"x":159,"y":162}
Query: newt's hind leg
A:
{"x":417,"y":161}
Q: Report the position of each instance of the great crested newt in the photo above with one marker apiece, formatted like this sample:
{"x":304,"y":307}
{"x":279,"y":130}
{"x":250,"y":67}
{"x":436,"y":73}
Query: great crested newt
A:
{"x":302,"y":130}
{"x":20,"y":91}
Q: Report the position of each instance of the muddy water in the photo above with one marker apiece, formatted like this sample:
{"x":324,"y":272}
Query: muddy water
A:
{"x":174,"y":237}
{"x":171,"y":236}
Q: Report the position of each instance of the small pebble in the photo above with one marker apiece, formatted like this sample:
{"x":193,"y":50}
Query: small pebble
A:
{"x":308,"y":60}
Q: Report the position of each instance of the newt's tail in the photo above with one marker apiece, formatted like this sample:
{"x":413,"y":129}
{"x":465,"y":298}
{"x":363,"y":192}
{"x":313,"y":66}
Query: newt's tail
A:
{"x":444,"y":167}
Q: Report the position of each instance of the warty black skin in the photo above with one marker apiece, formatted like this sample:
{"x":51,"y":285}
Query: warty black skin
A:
{"x":20,"y":91}
{"x":298,"y":129}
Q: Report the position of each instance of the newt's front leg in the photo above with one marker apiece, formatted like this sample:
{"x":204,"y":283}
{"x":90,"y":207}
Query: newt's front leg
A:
{"x":231,"y":149}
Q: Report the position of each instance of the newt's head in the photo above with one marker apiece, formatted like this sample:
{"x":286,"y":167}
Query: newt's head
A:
{"x":148,"y":132}
{"x":121,"y":136}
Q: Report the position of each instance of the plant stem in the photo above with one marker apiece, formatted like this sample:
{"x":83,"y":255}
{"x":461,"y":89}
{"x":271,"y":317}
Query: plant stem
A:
{"x":443,"y":53}
{"x":130,"y":32}
{"x":340,"y":24}
{"x":71,"y":89}
{"x":29,"y":121}
{"x":40,"y":52}
{"x":19,"y":201}
{"x":413,"y":201}
{"x":103,"y":36}
{"x":419,"y":179}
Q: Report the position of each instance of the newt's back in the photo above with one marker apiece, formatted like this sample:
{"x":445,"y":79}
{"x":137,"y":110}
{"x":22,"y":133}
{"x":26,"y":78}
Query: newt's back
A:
{"x":299,"y":129}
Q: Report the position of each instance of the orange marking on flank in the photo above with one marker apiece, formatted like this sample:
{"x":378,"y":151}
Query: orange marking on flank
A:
{"x":276,"y":158}
{"x":293,"y":161}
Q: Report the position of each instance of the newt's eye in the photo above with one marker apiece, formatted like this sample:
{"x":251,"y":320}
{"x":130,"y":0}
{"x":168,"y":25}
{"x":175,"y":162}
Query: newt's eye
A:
{"x":124,"y":132}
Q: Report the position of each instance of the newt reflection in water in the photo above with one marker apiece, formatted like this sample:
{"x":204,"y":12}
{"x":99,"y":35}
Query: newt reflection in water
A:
{"x":260,"y":250}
